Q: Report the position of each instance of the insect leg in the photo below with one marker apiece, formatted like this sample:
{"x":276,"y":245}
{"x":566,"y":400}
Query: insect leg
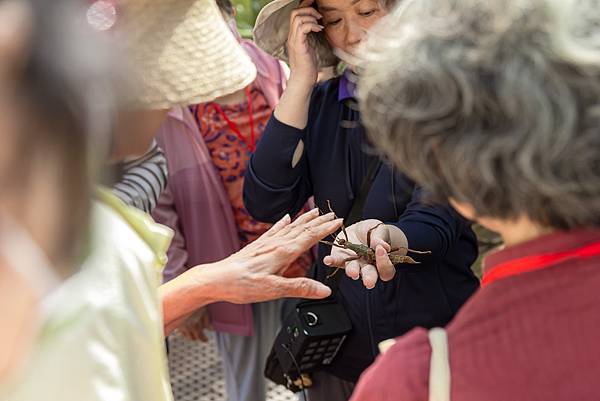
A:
{"x":345,"y":261}
{"x":332,"y":244}
{"x":369,"y":234}
{"x":409,"y":250}
{"x":419,"y":252}
{"x":343,"y":226}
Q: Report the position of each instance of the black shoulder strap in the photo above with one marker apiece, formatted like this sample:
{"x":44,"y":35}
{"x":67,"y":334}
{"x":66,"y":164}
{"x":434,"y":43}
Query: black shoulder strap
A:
{"x":356,"y":213}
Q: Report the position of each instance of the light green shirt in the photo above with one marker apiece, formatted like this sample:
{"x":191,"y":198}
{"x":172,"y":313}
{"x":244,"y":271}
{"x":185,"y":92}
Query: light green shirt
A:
{"x":102,"y":337}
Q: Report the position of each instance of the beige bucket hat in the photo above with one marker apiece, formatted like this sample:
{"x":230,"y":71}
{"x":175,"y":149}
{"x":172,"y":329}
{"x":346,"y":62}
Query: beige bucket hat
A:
{"x":181,"y":51}
{"x":272,"y":28}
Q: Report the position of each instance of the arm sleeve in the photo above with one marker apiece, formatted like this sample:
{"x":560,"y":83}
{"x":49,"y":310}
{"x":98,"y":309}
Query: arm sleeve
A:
{"x":143,"y":180}
{"x":165,"y":213}
{"x":272,"y":187}
{"x":430,"y":227}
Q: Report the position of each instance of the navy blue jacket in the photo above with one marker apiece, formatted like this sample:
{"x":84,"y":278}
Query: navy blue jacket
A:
{"x":334,"y":163}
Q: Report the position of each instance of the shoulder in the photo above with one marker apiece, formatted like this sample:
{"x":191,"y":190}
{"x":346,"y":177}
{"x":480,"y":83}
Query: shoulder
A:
{"x":402,"y":373}
{"x":327,"y":89}
{"x":324,"y":98}
{"x":114,"y":224}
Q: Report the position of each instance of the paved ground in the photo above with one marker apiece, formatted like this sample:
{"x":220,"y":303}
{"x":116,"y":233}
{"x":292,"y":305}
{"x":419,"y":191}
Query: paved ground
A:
{"x":196,"y":373}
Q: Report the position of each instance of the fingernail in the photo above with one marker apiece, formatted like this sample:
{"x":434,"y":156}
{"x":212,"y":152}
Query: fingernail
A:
{"x":327,"y":260}
{"x":380,"y":251}
{"x":322,"y":290}
{"x":287,"y":217}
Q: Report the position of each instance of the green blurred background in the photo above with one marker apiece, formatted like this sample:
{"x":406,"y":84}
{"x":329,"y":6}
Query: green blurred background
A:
{"x":247,"y":10}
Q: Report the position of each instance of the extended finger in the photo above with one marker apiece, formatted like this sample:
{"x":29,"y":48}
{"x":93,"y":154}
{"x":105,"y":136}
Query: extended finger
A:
{"x":307,"y":12}
{"x":307,"y":28}
{"x":305,"y":218}
{"x":301,"y":288}
{"x":380,"y":236}
{"x":301,"y":221}
{"x":337,"y":258}
{"x":310,"y":15}
{"x":353,"y":269}
{"x":277,"y":227}
{"x":302,"y":26}
{"x":369,"y":276}
{"x":313,"y":225}
{"x":321,"y":219}
{"x":384,"y":265}
{"x":310,"y":234}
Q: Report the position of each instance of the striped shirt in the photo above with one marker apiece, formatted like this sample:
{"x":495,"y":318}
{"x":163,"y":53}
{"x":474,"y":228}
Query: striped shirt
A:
{"x":143,"y":180}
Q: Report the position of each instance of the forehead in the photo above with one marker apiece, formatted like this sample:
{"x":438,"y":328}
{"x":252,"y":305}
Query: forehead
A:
{"x":328,"y":5}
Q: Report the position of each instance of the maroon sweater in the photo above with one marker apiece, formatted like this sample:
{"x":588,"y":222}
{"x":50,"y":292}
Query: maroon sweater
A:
{"x":531,"y":337}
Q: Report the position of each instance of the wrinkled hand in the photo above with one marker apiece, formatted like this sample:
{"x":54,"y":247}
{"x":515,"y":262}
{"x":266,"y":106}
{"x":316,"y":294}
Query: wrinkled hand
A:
{"x":383,"y":238}
{"x":193,"y":327}
{"x":254,"y":273}
{"x":302,"y":57}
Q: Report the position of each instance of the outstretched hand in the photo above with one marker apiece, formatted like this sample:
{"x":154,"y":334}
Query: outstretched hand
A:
{"x":254,"y":274}
{"x":383,"y":238}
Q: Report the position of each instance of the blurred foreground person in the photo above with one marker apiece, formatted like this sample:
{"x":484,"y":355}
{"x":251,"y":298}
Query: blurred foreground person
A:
{"x":495,"y":107}
{"x":102,"y":330}
{"x":43,"y":172}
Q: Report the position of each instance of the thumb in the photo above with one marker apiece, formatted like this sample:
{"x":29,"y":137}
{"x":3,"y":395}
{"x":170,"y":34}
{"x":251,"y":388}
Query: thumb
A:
{"x":380,"y":236}
{"x":302,"y":288}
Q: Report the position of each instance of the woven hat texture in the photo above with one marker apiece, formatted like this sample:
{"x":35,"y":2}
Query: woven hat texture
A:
{"x":182,"y":52}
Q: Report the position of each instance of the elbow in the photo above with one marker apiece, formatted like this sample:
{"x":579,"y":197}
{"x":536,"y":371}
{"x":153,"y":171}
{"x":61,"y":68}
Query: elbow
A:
{"x":258,"y":209}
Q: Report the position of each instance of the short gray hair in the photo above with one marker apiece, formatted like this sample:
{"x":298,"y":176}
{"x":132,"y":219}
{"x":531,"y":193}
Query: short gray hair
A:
{"x":492,"y":103}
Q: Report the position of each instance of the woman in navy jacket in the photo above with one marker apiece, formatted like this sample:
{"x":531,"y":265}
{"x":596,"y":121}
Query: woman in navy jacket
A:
{"x":314,"y":145}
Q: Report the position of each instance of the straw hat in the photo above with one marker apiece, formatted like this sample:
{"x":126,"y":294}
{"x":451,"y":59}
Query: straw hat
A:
{"x":182,"y":52}
{"x":272,"y":28}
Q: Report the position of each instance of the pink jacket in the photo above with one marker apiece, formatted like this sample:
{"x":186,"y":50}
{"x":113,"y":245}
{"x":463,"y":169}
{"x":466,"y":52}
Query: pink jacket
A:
{"x":195,"y":204}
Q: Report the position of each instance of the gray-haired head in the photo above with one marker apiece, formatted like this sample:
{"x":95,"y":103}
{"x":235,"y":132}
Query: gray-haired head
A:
{"x":492,"y":103}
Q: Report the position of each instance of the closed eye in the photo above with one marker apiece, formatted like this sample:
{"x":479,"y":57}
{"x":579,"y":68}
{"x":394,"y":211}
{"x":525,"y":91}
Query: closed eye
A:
{"x":367,"y":13}
{"x":334,"y":22}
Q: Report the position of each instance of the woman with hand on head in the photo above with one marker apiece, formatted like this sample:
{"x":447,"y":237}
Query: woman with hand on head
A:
{"x":314,"y":145}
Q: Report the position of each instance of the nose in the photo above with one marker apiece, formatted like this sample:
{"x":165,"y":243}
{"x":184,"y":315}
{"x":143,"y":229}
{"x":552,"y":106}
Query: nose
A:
{"x":354,"y":34}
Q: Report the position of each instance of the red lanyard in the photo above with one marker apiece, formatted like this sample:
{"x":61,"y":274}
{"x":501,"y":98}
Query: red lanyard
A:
{"x":233,"y":126}
{"x":538,"y":262}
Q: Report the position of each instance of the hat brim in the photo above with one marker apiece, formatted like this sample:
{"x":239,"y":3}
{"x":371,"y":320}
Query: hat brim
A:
{"x":272,"y":28}
{"x":183,"y":53}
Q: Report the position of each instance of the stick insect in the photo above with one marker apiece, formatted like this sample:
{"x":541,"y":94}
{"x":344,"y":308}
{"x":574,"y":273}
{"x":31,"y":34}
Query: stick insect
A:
{"x":367,"y":254}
